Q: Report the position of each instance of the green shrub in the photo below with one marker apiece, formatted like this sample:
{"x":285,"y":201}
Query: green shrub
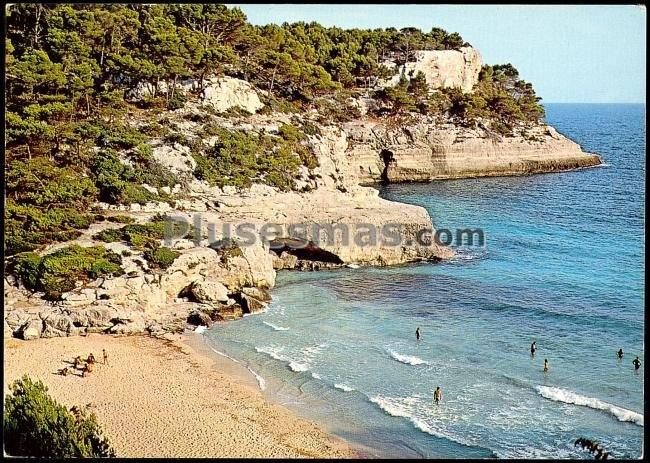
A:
{"x":160,"y":257}
{"x":227,"y":248}
{"x":139,"y":235}
{"x":176,"y":137}
{"x":120,"y":219}
{"x":57,"y":272}
{"x":177,"y":101}
{"x":155,"y":174}
{"x":35,"y":425}
{"x":241,"y":158}
{"x":235,"y":111}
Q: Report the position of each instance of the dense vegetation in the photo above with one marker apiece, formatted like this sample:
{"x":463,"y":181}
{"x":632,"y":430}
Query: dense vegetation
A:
{"x":70,"y":69}
{"x":35,"y":425}
{"x":58,"y":272}
{"x":148,"y":234}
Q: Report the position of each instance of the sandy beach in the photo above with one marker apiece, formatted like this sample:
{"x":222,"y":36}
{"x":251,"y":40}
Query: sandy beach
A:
{"x":168,"y":398}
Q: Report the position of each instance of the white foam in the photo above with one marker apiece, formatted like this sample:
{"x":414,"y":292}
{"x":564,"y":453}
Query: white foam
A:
{"x":224,"y":355}
{"x":352,"y":266}
{"x":298,"y":367}
{"x":344,"y":387}
{"x":402,"y":408}
{"x":407,"y":359}
{"x":316,"y":376}
{"x":260,"y":380}
{"x":274,"y":353}
{"x":562,"y":395}
{"x":276,"y":327}
{"x":200,"y":329}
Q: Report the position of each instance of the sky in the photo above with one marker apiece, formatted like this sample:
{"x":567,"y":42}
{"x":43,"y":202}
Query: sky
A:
{"x":571,"y":53}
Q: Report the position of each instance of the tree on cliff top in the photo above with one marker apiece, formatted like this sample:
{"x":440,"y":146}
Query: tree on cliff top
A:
{"x":35,"y":425}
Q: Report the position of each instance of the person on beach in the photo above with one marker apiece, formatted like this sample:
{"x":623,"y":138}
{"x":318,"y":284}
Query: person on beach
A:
{"x":417,"y":333}
{"x":533,"y":348}
{"x":637,"y":363}
{"x":437,"y":395}
{"x":620,"y":353}
{"x":87,"y":369}
{"x":105,"y":355}
{"x":545,"y":365}
{"x":91,"y":358}
{"x":64,"y":371}
{"x":77,"y":362}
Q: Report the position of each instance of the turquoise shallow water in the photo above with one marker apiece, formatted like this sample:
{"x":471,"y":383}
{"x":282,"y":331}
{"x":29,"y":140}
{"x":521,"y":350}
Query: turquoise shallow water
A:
{"x":562,"y":265}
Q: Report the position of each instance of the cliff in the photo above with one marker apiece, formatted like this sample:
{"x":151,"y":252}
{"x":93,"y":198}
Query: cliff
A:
{"x":425,"y":151}
{"x":441,"y":68}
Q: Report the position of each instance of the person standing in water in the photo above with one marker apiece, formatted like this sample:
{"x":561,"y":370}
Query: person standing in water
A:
{"x":533,"y":348}
{"x":545,"y":365}
{"x":437,"y":395}
{"x":620,"y":353}
{"x":417,"y":333}
{"x":637,"y":363}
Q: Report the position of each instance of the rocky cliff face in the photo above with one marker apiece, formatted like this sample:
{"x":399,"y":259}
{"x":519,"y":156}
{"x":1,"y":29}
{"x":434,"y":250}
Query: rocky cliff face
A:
{"x":424,"y":151}
{"x":441,"y":68}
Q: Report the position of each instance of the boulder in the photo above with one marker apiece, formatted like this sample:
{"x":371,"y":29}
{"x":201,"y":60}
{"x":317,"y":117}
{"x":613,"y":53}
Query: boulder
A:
{"x":128,"y":324}
{"x":209,"y":291}
{"x":93,"y":317}
{"x":8,"y":331}
{"x":289,"y":261}
{"x":177,"y":158}
{"x":15,"y":320}
{"x":257,"y":293}
{"x":223,"y":93}
{"x":228,"y":312}
{"x":251,"y":305}
{"x":57,"y":325}
{"x":31,"y":330}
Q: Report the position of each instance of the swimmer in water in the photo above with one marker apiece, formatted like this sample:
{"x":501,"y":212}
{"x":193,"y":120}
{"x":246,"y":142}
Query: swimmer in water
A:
{"x":620,"y":353}
{"x":417,"y":333}
{"x":545,"y":365}
{"x":437,"y":395}
{"x":533,"y":348}
{"x":637,"y":363}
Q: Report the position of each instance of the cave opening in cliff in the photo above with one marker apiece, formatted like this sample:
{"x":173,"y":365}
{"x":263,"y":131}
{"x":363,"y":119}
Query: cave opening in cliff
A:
{"x":304,"y":250}
{"x":388,"y":158}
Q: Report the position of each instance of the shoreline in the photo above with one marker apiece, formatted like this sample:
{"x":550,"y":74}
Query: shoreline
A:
{"x":170,"y":397}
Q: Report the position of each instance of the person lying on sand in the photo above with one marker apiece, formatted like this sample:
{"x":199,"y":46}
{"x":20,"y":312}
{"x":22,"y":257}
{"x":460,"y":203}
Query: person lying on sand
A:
{"x":64,"y":371}
{"x":87,"y":369}
{"x":77,"y":362}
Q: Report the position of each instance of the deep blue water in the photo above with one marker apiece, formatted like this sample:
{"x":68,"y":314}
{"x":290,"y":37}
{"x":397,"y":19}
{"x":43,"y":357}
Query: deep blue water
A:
{"x":563,"y":264}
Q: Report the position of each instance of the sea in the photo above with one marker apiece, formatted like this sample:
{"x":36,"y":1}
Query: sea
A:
{"x":562,"y":264}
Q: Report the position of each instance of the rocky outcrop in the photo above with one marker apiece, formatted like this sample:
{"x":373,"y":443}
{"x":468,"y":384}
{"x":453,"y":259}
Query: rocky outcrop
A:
{"x":424,"y":151}
{"x":221,"y":93}
{"x":224,"y":93}
{"x":144,"y":300}
{"x":441,"y":68}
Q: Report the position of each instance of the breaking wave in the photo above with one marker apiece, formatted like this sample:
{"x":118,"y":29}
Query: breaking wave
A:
{"x":407,"y":359}
{"x":569,"y":397}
